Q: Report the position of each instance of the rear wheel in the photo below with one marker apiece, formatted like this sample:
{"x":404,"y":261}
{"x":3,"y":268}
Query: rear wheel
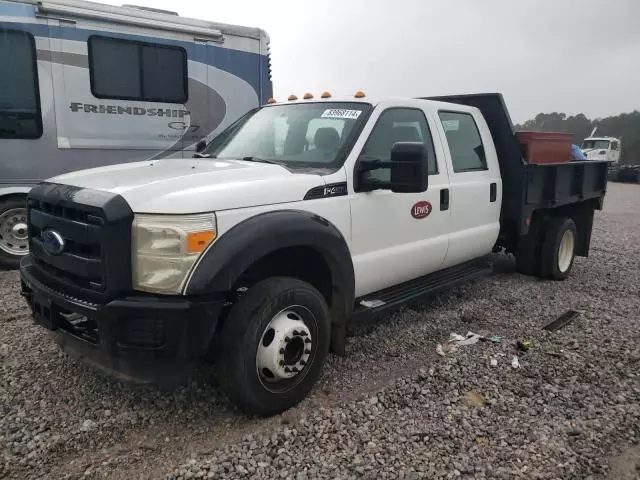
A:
{"x":273,"y":345}
{"x":14,"y":239}
{"x":558,"y":248}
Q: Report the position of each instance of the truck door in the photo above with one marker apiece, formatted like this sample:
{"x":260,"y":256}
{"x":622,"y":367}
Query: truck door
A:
{"x":614,"y":152}
{"x":399,"y":236}
{"x":476,"y":186}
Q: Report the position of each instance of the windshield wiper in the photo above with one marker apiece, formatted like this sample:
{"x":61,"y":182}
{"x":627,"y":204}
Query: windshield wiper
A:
{"x":262,"y":160}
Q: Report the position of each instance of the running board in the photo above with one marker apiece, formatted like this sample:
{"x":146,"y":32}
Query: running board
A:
{"x":393,"y":297}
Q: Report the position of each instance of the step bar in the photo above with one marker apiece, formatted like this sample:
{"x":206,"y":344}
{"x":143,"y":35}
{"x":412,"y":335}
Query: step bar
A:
{"x":393,"y":297}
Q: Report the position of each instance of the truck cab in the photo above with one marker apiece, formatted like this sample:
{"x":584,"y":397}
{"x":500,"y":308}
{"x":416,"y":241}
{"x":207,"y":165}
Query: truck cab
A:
{"x":296,"y":219}
{"x":602,"y":149}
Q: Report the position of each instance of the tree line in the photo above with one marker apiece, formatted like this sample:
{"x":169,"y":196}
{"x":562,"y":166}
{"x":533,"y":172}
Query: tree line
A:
{"x":625,"y":126}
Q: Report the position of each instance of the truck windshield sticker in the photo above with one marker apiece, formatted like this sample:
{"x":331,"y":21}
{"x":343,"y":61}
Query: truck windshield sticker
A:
{"x":451,"y":125}
{"x":341,"y":113}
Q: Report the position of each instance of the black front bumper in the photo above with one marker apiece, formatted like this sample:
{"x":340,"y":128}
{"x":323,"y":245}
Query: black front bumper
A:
{"x":139,"y":338}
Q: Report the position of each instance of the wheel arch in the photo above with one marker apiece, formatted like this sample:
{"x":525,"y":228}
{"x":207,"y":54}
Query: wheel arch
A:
{"x":262,"y":241}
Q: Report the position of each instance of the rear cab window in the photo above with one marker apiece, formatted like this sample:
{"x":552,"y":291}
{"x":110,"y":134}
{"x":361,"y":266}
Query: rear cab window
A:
{"x":465,"y":143}
{"x":20,"y":116}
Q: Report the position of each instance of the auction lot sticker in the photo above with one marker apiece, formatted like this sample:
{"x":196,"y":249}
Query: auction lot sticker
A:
{"x":341,"y":113}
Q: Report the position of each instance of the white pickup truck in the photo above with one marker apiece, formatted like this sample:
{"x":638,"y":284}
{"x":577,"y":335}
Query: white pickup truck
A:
{"x":291,"y":223}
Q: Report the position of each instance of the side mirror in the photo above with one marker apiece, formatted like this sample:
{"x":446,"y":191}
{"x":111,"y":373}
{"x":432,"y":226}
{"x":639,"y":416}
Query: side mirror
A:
{"x":409,"y":168}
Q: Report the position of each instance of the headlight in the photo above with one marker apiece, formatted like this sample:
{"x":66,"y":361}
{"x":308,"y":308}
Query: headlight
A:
{"x":165,"y":248}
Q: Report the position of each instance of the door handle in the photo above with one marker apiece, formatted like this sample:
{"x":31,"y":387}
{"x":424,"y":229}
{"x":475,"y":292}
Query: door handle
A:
{"x":444,"y":199}
{"x":493,"y":192}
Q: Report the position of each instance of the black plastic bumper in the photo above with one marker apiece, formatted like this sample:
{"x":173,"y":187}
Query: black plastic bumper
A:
{"x":139,"y":338}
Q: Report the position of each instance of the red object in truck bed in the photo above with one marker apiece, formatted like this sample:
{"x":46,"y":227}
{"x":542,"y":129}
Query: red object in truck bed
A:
{"x":545,"y":147}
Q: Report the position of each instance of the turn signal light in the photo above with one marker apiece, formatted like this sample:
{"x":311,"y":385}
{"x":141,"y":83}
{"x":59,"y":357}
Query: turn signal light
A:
{"x":198,"y":241}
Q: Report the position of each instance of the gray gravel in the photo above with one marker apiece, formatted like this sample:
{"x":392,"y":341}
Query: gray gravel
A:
{"x":391,"y":409}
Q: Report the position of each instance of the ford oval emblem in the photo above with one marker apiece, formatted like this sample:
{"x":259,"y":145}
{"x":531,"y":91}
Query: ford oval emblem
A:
{"x":421,"y":210}
{"x":52,"y":242}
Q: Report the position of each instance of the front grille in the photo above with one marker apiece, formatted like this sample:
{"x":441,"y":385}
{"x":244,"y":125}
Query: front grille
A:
{"x":96,"y":229}
{"x":81,"y":262}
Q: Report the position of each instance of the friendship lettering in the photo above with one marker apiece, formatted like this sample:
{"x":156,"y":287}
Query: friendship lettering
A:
{"x":118,"y":110}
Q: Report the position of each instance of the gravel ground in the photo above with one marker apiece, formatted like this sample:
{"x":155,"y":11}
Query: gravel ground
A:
{"x":392,"y":408}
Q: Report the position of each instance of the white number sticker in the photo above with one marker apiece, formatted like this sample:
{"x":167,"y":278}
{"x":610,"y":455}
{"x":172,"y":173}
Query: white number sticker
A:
{"x":451,"y":125}
{"x":341,"y":113}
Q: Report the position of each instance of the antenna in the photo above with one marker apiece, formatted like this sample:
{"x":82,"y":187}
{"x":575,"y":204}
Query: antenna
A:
{"x":593,"y":132}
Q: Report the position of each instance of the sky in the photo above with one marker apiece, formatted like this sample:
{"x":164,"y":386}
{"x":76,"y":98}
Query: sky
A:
{"x":572,"y":56}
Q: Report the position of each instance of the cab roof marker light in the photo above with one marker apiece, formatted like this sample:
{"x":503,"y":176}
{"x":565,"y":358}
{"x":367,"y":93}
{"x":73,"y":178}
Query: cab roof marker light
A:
{"x":360,"y":94}
{"x":325,"y":95}
{"x":308,"y":96}
{"x":271,"y":101}
{"x":292,"y":98}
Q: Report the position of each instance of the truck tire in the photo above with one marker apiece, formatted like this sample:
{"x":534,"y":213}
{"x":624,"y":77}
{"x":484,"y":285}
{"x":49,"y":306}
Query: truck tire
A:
{"x":558,"y":248}
{"x":14,"y":241}
{"x":273,"y":345}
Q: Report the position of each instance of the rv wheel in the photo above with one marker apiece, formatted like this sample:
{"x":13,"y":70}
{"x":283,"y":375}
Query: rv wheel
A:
{"x":14,"y":241}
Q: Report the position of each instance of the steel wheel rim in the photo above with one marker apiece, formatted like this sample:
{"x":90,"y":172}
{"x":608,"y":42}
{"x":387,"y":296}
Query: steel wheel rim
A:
{"x":565,"y":251}
{"x":299,"y":352}
{"x":14,"y":238}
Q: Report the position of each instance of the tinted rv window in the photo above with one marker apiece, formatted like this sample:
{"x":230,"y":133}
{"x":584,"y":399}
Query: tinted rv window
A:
{"x":127,"y":70}
{"x":19,"y":101}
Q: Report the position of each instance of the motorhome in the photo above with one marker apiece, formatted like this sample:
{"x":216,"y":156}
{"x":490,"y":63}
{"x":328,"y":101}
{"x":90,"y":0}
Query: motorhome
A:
{"x":85,"y":85}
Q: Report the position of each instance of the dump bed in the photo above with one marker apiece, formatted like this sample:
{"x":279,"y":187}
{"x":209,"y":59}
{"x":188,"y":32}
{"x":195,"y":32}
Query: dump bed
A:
{"x":529,"y":187}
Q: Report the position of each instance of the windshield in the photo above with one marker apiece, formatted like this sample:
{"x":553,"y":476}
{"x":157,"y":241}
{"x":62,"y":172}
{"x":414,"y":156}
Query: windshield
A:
{"x":596,"y":144}
{"x":306,"y":135}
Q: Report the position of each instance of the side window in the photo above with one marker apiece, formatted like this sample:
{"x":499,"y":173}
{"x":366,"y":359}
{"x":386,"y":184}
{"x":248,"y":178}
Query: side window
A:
{"x":465,"y":144}
{"x":399,"y":125}
{"x":128,"y":70}
{"x":614,"y":145}
{"x":20,"y":115}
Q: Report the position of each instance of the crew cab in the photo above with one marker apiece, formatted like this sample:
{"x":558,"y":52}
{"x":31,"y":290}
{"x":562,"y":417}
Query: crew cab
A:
{"x":295,"y":220}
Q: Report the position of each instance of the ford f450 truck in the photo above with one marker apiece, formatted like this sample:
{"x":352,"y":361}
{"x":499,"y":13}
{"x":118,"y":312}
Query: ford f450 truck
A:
{"x":294,"y":221}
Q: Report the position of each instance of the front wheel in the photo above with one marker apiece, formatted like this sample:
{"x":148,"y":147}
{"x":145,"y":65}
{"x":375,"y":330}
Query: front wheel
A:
{"x":558,"y":248}
{"x":273,"y":346}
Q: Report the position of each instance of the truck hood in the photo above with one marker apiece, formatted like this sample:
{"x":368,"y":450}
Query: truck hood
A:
{"x":176,"y":186}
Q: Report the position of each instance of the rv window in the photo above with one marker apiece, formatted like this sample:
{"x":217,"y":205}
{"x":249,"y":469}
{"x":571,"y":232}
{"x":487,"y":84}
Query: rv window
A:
{"x":19,"y":100}
{"x":128,"y":70}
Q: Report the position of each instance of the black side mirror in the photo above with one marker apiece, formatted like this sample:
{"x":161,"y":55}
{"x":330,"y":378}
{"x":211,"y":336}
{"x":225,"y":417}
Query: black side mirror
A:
{"x":409,"y":168}
{"x":200,"y":146}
